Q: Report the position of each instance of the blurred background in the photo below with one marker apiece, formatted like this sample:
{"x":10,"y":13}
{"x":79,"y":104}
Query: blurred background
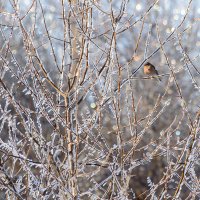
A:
{"x":134,"y":131}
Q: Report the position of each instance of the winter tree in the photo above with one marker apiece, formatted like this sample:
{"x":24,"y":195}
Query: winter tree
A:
{"x":79,"y":119}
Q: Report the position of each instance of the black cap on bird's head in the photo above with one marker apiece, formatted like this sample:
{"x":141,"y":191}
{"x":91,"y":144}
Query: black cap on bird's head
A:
{"x":147,"y":63}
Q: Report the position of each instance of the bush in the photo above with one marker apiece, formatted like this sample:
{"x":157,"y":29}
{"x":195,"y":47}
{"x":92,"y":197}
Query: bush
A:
{"x":79,"y":119}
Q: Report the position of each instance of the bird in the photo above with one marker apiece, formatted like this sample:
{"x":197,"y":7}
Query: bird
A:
{"x":150,"y":69}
